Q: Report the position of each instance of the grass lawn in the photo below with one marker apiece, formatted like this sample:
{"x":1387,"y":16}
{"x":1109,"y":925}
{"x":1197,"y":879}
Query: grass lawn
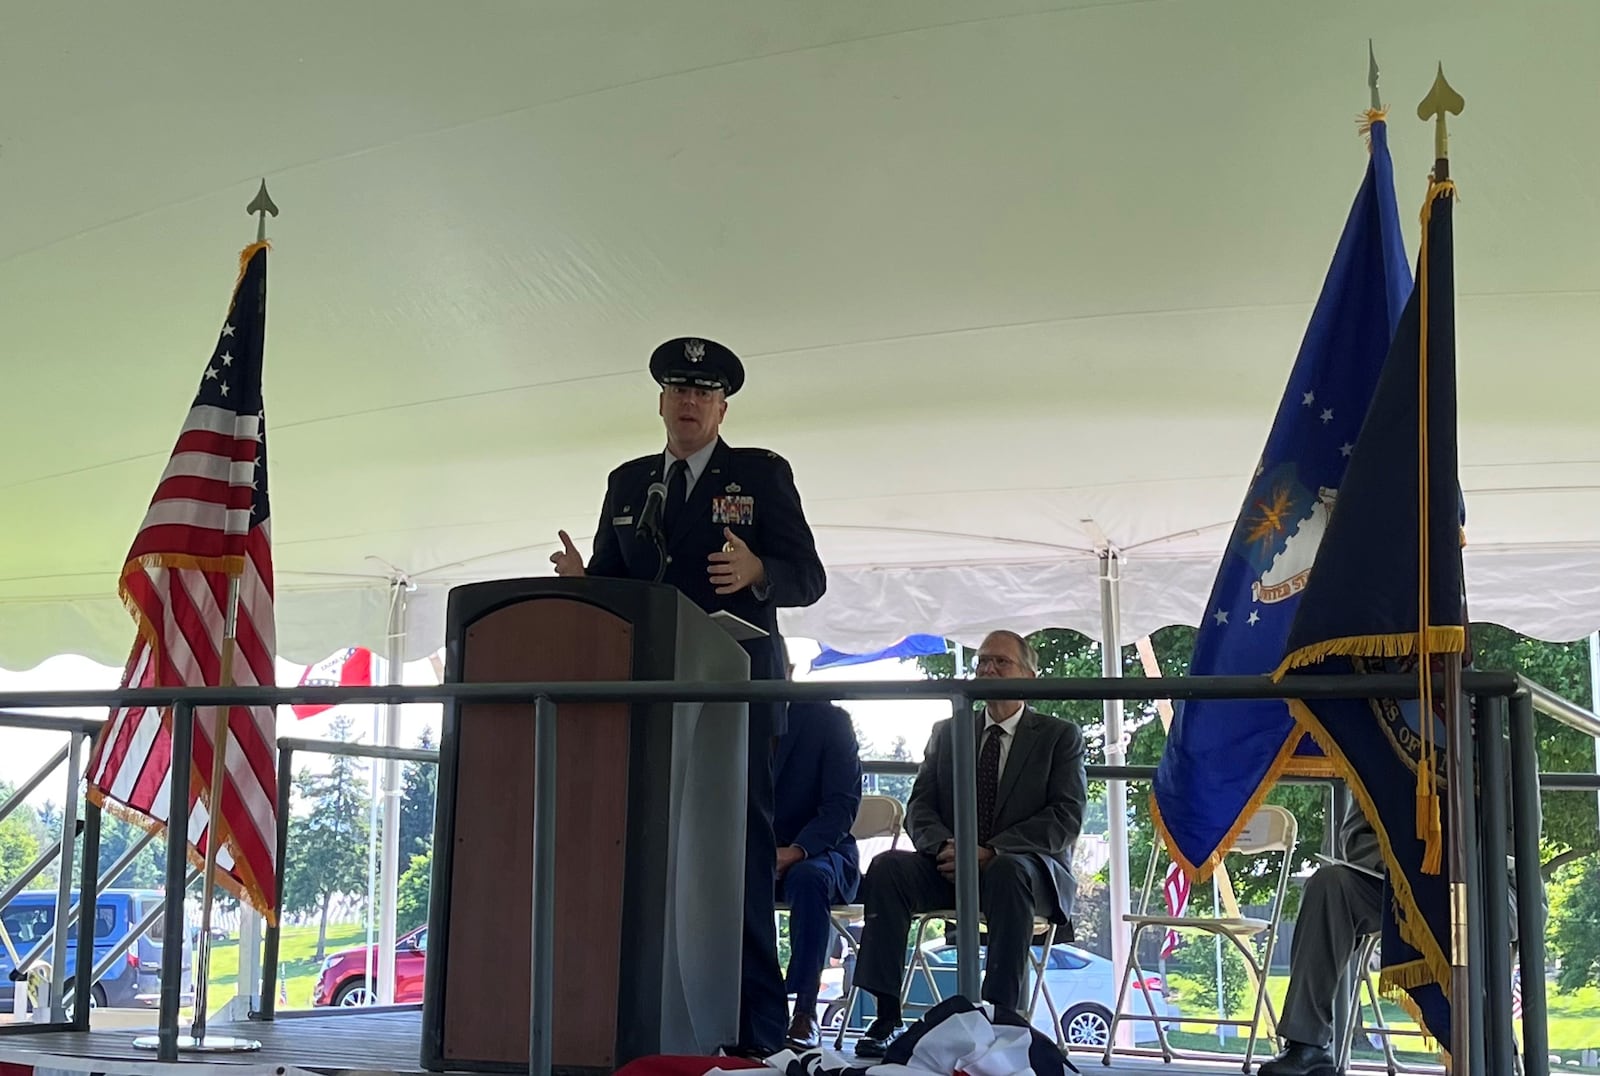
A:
{"x":297,"y":949}
{"x":1574,"y":1025}
{"x":1574,"y":1018}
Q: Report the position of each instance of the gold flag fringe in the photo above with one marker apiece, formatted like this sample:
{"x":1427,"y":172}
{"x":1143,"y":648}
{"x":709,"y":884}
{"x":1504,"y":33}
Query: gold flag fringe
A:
{"x":250,"y":894}
{"x":1413,"y":928}
{"x":1199,"y":872}
{"x":1365,"y":121}
{"x":1441,"y":640}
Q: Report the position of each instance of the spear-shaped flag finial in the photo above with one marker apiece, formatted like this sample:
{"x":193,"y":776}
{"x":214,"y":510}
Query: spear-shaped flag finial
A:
{"x":262,"y":205}
{"x":1442,"y":98}
{"x":1372,"y":77}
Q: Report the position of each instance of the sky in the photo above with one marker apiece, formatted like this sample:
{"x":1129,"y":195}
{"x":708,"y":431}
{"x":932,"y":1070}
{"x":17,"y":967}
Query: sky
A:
{"x":23,"y":751}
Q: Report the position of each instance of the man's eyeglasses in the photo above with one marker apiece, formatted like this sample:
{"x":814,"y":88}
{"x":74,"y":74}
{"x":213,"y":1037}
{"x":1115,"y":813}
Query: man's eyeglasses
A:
{"x":996,"y":661}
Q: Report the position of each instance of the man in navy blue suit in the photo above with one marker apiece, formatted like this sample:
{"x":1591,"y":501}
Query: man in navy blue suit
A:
{"x":818,"y":782}
{"x":732,"y":537}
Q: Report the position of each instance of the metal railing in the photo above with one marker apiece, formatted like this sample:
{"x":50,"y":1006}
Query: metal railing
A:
{"x":1489,"y":694}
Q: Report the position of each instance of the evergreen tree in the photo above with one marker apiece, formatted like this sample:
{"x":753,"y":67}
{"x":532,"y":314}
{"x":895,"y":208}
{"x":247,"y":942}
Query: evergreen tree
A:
{"x":418,"y":796}
{"x":328,"y":848}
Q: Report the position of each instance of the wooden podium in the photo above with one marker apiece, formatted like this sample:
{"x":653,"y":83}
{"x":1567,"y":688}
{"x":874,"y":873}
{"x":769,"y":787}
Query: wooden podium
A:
{"x":650,"y":810}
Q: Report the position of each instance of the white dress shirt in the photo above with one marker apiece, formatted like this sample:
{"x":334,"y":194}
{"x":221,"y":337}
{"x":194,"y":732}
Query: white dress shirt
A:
{"x":697,"y":465}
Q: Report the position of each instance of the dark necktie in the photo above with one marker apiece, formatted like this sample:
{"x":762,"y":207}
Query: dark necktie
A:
{"x":988,"y":782}
{"x":677,"y":491}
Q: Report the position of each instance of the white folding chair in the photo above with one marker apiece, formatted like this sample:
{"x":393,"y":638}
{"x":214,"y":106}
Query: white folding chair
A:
{"x":1365,"y":983}
{"x":1270,"y":829}
{"x":878,"y":816}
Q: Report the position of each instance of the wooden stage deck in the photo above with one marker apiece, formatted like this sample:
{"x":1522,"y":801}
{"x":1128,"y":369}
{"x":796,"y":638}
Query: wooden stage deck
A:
{"x":351,"y":1044}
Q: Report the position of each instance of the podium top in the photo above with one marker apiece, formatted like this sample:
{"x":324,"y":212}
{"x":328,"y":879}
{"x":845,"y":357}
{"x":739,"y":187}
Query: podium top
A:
{"x":737,"y":627}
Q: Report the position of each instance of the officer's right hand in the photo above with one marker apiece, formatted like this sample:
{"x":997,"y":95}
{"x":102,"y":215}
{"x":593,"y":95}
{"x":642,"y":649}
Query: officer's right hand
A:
{"x":568,"y":560}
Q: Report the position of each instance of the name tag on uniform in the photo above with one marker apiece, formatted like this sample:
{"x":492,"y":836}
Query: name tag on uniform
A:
{"x":621,"y":521}
{"x":733,"y":509}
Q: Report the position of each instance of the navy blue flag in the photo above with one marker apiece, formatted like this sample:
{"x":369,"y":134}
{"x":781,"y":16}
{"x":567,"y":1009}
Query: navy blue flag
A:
{"x":1222,"y":757}
{"x":911,"y":646}
{"x":1387,"y":596}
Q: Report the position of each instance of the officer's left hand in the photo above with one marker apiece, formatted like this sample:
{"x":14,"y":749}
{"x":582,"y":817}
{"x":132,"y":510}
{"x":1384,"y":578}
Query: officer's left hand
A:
{"x":733,"y":571}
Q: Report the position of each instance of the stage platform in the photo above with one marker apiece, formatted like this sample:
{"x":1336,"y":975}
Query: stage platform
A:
{"x":353,"y":1044}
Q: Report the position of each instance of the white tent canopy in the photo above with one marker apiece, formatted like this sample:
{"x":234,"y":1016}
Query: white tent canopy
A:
{"x":1009,"y":279}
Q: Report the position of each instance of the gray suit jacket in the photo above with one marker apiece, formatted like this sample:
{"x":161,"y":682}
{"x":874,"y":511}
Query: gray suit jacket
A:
{"x":1039,"y":806}
{"x":1361,"y":849}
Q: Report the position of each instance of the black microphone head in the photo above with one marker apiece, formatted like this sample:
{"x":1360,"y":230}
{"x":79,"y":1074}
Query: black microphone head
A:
{"x":657,"y":489}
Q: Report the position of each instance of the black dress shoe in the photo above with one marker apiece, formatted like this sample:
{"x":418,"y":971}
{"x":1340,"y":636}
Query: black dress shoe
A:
{"x":746,"y":1052}
{"x":875,"y":1043}
{"x":804,"y":1032}
{"x":1301,"y":1059}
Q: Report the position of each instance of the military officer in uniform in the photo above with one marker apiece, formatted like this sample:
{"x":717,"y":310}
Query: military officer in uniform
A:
{"x":733,"y":537}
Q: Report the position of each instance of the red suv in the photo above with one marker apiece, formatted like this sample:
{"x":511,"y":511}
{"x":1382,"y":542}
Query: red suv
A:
{"x":343,"y":979}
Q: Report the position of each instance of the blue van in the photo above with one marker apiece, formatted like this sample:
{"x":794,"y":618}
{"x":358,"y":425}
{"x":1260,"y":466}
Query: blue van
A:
{"x":133,"y":981}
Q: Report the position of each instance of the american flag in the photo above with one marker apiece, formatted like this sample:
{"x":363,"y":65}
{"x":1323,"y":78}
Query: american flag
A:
{"x":1516,"y":993}
{"x":208,"y":521}
{"x":1176,"y":888}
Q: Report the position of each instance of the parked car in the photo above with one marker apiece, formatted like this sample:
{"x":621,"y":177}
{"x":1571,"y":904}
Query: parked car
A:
{"x":343,"y":978}
{"x":1082,"y":984}
{"x":132,"y":981}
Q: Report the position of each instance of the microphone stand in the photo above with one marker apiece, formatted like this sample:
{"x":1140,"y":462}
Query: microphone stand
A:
{"x":661,"y":552}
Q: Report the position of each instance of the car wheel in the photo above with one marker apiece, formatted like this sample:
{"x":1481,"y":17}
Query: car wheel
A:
{"x":832,"y":1015}
{"x":1086,"y":1027}
{"x":97,"y":997}
{"x":352,"y":994}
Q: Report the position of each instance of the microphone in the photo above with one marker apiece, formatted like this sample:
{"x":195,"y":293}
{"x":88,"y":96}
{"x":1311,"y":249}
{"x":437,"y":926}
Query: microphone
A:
{"x":655,"y":503}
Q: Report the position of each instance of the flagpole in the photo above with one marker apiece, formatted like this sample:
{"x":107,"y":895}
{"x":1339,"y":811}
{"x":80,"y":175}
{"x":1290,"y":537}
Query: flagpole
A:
{"x":1466,"y":1005}
{"x":216,"y":827}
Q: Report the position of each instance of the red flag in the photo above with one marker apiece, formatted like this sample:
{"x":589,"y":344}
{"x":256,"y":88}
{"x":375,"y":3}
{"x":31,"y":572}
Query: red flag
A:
{"x":1176,"y":888}
{"x":351,"y":667}
{"x":208,"y":523}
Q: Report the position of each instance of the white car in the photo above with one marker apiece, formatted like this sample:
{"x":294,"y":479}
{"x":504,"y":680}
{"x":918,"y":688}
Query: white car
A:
{"x":1082,"y":984}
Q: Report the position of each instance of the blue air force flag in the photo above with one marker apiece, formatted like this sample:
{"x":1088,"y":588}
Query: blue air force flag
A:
{"x":1222,"y":757}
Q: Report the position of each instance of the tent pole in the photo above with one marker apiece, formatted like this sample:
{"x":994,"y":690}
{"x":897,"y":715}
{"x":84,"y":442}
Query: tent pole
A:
{"x":1116,"y":789}
{"x":1594,"y":687}
{"x":393,"y":854}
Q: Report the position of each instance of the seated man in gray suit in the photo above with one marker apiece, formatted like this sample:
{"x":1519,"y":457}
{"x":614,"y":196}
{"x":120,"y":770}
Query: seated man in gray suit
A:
{"x":1031,"y":794}
{"x":1342,"y":903}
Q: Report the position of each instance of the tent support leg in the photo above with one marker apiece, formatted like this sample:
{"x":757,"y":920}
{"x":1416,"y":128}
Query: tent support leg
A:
{"x":1116,"y":789}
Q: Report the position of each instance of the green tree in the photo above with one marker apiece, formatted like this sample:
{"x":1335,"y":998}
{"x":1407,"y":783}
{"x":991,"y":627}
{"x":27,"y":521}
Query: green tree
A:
{"x":889,"y":784}
{"x":1574,"y":933}
{"x":1570,"y":820}
{"x":328,"y":848}
{"x":418,"y":797}
{"x":19,"y":841}
{"x":1196,"y":962}
{"x":49,"y":825}
{"x":148,"y":869}
{"x":412,"y":892}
